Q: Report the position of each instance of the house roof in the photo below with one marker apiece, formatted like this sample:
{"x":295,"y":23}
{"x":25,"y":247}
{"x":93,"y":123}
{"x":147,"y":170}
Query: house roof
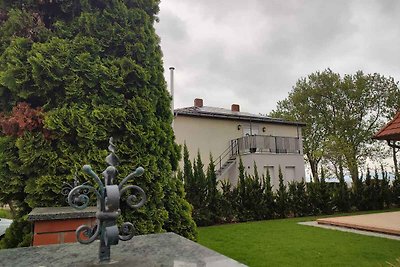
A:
{"x":222,"y":113}
{"x":391,"y":131}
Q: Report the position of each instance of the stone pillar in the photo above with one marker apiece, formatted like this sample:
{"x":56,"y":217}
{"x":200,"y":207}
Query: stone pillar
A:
{"x":57,"y":225}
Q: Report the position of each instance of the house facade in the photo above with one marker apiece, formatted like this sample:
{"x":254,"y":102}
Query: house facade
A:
{"x":228,"y":134}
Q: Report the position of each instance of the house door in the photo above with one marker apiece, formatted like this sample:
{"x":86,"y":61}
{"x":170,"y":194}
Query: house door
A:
{"x":247,"y":131}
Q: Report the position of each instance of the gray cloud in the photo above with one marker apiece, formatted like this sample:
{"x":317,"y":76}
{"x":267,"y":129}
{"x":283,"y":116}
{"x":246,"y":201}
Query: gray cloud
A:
{"x":252,"y":52}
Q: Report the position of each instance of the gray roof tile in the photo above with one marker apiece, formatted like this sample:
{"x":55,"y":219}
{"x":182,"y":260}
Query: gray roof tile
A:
{"x":222,"y":113}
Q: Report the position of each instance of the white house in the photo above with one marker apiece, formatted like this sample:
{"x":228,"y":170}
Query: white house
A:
{"x":228,"y":134}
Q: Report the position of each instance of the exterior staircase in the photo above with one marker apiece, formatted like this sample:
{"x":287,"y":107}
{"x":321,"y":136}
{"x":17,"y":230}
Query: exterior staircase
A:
{"x":227,"y":159}
{"x":231,"y":161}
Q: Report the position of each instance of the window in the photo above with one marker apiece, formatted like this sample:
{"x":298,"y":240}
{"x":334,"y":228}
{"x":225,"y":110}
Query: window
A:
{"x":290,"y":173}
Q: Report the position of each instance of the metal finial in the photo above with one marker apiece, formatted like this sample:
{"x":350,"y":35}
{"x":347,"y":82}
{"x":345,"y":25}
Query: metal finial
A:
{"x":108,"y":202}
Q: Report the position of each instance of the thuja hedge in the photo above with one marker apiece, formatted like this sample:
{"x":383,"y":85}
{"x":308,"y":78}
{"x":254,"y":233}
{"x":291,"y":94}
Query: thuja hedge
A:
{"x":72,"y":74}
{"x":253,"y":198}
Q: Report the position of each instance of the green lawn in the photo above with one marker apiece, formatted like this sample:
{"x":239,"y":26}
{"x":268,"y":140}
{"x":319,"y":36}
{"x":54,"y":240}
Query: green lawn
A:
{"x":286,"y":243}
{"x":5,"y":213}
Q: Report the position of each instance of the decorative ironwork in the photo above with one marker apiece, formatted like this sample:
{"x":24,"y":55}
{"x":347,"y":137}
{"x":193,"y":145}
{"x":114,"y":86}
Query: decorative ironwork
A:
{"x":67,"y":187}
{"x":108,"y":202}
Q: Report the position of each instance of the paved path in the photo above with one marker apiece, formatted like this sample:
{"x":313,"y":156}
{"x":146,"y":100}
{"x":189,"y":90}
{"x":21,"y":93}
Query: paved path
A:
{"x":344,"y":229}
{"x":385,"y":222}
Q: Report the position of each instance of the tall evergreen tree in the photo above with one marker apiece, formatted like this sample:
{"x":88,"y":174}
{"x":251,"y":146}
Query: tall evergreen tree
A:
{"x":378,"y":199}
{"x":292,"y":198}
{"x":188,"y":175}
{"x":241,"y":183}
{"x":385,"y":189}
{"x":313,"y":198}
{"x":341,"y":196}
{"x":88,"y":70}
{"x":212,"y":191}
{"x":368,"y":196}
{"x":268,"y":197}
{"x":281,"y":197}
{"x":201,"y":213}
{"x":325,"y":195}
{"x":302,"y":204}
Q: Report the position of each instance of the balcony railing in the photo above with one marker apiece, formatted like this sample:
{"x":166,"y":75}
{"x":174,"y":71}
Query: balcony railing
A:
{"x":267,"y":144}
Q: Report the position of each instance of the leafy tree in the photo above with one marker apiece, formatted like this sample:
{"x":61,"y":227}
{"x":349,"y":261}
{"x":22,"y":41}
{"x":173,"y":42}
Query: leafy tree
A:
{"x":90,"y":70}
{"x":281,"y":197}
{"x":341,"y":114}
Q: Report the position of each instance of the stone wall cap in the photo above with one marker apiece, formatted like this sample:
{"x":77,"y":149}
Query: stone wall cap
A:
{"x":60,"y":213}
{"x":153,"y":250}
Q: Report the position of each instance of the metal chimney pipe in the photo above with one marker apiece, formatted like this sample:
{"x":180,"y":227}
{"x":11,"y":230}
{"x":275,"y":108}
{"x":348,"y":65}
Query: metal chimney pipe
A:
{"x":171,"y":72}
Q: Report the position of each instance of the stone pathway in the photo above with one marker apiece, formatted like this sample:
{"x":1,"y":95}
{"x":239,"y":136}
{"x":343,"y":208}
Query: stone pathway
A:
{"x":344,"y":229}
{"x":385,"y":224}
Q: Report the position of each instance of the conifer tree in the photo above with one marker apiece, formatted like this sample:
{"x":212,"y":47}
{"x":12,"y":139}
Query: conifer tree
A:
{"x":201,"y":213}
{"x":313,"y":197}
{"x":281,"y":197}
{"x":302,"y":204}
{"x":378,"y":199}
{"x":228,"y":202}
{"x":90,"y":70}
{"x":254,"y":202}
{"x":241,"y":183}
{"x":325,"y":195}
{"x":368,"y":196}
{"x":212,"y":191}
{"x":268,"y":197}
{"x":341,"y":196}
{"x":385,"y":189}
{"x":395,"y":191}
{"x":357,"y":192}
{"x":188,"y":175}
{"x":292,"y":198}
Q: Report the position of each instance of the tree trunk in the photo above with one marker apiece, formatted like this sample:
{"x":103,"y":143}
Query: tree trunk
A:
{"x":396,"y":169}
{"x":353,"y":168}
{"x":341,"y":172}
{"x":314,"y":169}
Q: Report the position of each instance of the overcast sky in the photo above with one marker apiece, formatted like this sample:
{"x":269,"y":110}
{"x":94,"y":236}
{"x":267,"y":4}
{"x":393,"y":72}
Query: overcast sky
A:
{"x":252,"y":52}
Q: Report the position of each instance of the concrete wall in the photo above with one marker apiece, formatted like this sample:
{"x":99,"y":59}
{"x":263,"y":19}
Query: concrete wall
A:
{"x":212,"y":135}
{"x":292,"y":167}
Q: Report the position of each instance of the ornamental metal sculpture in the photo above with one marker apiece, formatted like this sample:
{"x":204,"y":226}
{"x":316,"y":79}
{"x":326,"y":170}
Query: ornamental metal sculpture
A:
{"x":108,"y":202}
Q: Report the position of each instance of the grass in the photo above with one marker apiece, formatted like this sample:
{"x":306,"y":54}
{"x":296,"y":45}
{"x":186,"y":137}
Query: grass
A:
{"x":4,"y":213}
{"x":286,"y":243}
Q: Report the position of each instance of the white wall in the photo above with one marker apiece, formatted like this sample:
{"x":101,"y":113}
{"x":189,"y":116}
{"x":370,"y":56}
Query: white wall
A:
{"x":212,"y":135}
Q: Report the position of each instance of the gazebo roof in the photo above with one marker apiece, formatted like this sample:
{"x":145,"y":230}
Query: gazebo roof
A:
{"x":391,"y":131}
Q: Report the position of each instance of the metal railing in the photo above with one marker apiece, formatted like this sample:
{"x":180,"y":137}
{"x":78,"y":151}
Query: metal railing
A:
{"x":230,"y":151}
{"x":258,"y":144}
{"x":265,"y":144}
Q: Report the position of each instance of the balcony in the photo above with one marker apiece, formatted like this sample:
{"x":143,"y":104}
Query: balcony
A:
{"x":265,"y":144}
{"x":255,"y":144}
